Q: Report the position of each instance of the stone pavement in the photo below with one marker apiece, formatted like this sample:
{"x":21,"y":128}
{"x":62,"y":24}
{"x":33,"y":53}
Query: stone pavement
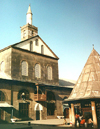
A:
{"x":54,"y":122}
{"x":40,"y":124}
{"x":49,"y":123}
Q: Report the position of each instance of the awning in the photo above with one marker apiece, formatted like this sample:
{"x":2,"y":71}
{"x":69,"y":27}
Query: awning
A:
{"x":5,"y":105}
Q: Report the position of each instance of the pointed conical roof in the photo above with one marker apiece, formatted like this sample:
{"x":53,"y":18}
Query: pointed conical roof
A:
{"x":29,"y":9}
{"x":88,"y":83}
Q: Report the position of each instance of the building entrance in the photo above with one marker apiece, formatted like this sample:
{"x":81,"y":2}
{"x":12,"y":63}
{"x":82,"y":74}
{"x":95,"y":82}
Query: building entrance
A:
{"x":1,"y":114}
{"x":23,"y":110}
{"x":37,"y":115}
{"x":66,"y":110}
{"x":50,"y":108}
{"x":38,"y":108}
{"x":50,"y":103}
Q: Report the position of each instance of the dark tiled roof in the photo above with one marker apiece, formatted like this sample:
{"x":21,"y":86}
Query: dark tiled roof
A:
{"x":64,"y":82}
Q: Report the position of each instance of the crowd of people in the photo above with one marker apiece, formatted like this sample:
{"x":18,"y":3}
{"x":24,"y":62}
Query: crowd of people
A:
{"x":80,"y":121}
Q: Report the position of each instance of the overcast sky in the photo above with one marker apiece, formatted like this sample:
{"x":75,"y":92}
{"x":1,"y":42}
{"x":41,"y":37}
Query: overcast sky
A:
{"x":68,"y":27}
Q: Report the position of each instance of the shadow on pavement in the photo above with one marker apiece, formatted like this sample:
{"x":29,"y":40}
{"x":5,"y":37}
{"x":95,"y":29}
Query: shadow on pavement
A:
{"x":25,"y":128}
{"x":3,"y":122}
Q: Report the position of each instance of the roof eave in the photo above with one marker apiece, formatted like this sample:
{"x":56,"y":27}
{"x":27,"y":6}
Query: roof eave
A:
{"x":80,"y":99}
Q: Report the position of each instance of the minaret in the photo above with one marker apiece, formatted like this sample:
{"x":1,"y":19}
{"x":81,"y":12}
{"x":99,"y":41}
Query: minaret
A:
{"x":29,"y":16}
{"x":28,"y":30}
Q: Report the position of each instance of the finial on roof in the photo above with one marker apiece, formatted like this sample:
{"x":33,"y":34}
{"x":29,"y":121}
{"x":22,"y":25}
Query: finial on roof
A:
{"x":30,"y":5}
{"x":93,"y":46}
{"x":29,"y":9}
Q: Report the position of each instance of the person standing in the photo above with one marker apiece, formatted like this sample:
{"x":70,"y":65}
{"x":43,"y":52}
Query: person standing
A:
{"x":77,"y":121}
{"x":65,"y":113}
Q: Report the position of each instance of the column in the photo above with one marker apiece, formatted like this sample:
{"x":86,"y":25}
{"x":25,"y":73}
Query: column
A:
{"x":70,"y":114}
{"x":94,"y":116}
{"x":73,"y":115}
{"x":37,"y":92}
{"x":12,"y":113}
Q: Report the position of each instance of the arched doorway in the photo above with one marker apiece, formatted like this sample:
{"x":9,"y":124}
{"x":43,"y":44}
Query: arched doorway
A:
{"x":66,"y":109}
{"x":37,"y":112}
{"x":50,"y":103}
{"x":66,"y":112}
{"x":38,"y":108}
{"x":37,"y":115}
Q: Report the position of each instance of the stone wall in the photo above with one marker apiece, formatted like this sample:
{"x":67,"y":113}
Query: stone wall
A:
{"x":5,"y":56}
{"x":32,"y":59}
{"x":11,"y":89}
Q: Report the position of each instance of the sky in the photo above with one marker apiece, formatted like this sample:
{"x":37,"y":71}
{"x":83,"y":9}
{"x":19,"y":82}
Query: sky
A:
{"x":68,"y":27}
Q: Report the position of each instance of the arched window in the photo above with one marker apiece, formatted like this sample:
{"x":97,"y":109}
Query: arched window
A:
{"x":2,"y":66}
{"x":24,"y":68}
{"x":50,"y":96}
{"x":37,"y":71}
{"x":49,"y":73}
{"x":42,"y":49}
{"x":2,"y":96}
{"x":31,"y":46}
{"x":23,"y":94}
{"x":36,"y":42}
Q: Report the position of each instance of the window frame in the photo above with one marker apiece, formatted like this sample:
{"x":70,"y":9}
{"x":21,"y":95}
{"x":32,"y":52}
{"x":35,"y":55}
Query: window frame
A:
{"x":49,"y":73}
{"x":37,"y":70}
{"x":42,"y":49}
{"x":36,"y":42}
{"x":24,"y":71}
{"x":31,"y":46}
{"x":26,"y":95}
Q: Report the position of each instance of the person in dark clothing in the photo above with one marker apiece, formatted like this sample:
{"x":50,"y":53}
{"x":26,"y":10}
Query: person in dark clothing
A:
{"x":65,"y":122}
{"x":77,"y":121}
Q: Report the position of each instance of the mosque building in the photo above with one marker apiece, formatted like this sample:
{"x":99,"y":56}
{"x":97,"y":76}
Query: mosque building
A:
{"x":29,"y":78}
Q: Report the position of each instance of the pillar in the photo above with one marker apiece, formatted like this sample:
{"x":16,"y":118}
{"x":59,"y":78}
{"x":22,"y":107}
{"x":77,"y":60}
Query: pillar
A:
{"x":37,"y":92}
{"x":94,"y":116}
{"x":12,"y":113}
{"x":70,"y":114}
{"x":73,"y":115}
